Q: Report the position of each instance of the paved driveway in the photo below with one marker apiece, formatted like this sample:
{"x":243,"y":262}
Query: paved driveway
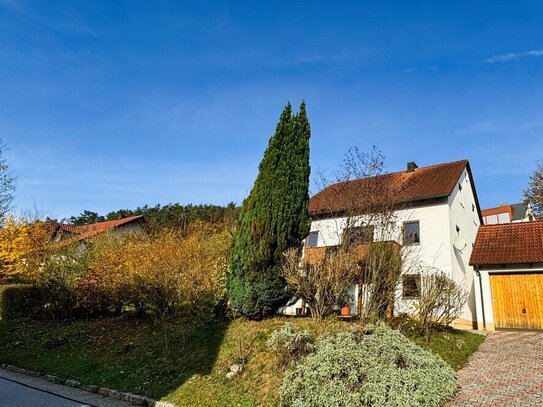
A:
{"x":507,"y":370}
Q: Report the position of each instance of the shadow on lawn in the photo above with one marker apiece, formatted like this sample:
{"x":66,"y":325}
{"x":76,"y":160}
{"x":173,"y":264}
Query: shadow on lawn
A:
{"x":124,"y":353}
{"x":182,"y":351}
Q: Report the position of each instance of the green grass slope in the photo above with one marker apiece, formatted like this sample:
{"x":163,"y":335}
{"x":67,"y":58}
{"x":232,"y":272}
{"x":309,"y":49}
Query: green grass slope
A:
{"x":183,"y":362}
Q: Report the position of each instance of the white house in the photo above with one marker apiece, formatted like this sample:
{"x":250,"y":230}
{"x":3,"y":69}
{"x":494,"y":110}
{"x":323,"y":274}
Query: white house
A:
{"x":436,"y":215}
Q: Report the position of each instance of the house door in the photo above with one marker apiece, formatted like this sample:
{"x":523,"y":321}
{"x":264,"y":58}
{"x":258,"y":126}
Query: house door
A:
{"x":517,"y":299}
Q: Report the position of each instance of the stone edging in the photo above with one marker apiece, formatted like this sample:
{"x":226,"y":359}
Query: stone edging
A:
{"x":103,"y":391}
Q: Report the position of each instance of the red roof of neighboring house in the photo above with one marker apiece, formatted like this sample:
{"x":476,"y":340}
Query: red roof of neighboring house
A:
{"x":508,"y":243}
{"x":498,"y":209}
{"x":86,"y":231}
{"x":402,"y":187}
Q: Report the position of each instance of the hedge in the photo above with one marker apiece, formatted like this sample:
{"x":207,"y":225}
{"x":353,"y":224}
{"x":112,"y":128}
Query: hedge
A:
{"x":20,"y":300}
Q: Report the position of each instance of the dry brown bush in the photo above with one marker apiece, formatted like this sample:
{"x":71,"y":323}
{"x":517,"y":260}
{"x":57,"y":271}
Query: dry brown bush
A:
{"x":166,"y":273}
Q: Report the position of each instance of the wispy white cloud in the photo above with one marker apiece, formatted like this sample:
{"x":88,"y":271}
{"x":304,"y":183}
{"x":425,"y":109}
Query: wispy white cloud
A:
{"x":514,"y":56}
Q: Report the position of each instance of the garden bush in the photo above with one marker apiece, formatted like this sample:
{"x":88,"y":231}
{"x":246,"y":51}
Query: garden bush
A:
{"x":375,"y":367}
{"x":441,"y":300}
{"x":20,"y":300}
{"x":290,"y":343}
{"x":158,"y":275}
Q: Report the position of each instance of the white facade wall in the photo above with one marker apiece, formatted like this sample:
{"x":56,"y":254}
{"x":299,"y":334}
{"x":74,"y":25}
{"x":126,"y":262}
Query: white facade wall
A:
{"x":438,"y":219}
{"x":463,"y":213}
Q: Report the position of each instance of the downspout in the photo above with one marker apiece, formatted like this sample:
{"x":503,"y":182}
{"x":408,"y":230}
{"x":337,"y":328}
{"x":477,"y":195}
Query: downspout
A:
{"x":482,"y":299}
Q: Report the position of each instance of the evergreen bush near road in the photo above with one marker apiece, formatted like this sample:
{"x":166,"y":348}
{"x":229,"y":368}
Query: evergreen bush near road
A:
{"x":378,"y":368}
{"x":273,"y":218}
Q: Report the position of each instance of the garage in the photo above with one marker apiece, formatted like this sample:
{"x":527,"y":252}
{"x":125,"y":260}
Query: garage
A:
{"x":508,"y":280}
{"x":517,"y":300}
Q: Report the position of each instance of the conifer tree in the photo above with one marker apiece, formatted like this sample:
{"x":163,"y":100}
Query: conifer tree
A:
{"x":273,"y":218}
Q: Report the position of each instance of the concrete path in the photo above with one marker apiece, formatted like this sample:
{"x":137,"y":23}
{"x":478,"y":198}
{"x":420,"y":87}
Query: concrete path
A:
{"x":507,"y":370}
{"x":18,"y":390}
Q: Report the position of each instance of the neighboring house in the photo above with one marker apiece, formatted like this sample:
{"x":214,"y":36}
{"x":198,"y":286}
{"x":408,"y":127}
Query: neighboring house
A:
{"x":508,"y":261}
{"x":64,"y":234}
{"x":436,"y":215}
{"x":519,"y":212}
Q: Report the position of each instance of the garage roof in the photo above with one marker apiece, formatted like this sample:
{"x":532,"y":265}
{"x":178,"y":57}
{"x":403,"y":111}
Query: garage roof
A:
{"x":508,"y":243}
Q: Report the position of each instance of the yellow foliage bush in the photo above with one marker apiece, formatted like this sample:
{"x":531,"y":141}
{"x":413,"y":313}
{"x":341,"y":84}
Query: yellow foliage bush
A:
{"x":21,"y":243}
{"x":160,"y":274}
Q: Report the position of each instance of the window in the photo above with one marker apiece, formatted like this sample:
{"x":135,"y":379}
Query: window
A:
{"x":457,"y":230}
{"x":491,"y":220}
{"x":411,"y":232}
{"x":461,"y":194}
{"x":358,"y":235}
{"x":312,"y":239}
{"x":474,"y":212}
{"x":411,"y":286}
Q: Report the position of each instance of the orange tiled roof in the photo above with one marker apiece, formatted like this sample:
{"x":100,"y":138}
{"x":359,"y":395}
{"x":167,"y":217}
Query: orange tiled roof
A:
{"x":498,"y":209}
{"x":403,"y":187}
{"x":508,"y":243}
{"x":86,"y":231}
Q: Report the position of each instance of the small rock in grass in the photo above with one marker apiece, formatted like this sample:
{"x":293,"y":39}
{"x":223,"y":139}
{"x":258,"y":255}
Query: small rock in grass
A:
{"x":72,"y":383}
{"x":236,"y":368}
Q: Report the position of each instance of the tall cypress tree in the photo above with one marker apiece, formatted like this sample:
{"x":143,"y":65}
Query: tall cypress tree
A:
{"x":273,"y":218}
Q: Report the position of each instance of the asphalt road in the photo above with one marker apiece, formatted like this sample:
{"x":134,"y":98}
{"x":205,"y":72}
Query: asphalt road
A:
{"x":16,"y":395}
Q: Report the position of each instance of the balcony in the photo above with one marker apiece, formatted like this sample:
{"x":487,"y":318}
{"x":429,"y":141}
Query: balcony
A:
{"x":314,"y":255}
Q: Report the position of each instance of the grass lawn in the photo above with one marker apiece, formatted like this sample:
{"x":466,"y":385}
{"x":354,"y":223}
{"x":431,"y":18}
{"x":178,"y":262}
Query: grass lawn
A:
{"x":182,"y":362}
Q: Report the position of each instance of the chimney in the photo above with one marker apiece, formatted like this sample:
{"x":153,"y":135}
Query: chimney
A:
{"x":411,"y":165}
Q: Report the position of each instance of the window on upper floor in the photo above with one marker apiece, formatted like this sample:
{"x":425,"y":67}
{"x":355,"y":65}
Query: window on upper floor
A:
{"x":411,"y":286}
{"x":358,"y":235}
{"x":312,"y":239}
{"x":461,"y":194}
{"x":411,"y":232}
{"x":474,"y":213}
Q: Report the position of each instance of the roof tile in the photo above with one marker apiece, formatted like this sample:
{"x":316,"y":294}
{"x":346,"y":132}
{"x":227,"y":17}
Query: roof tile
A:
{"x":508,"y":243}
{"x":402,"y":187}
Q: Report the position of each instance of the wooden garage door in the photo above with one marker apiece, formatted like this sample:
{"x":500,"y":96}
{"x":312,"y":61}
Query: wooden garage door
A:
{"x":517,"y":300}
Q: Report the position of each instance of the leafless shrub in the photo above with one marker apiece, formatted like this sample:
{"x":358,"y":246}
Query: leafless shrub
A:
{"x":322,"y":280}
{"x":441,"y":300}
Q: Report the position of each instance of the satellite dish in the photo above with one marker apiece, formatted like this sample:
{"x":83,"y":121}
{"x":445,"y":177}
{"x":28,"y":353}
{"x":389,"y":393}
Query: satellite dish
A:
{"x":459,"y":243}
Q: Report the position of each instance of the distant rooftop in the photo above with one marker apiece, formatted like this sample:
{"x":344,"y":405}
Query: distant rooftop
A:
{"x":519,"y":212}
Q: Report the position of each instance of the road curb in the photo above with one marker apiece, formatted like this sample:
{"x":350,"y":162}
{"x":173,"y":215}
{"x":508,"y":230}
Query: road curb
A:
{"x":103,"y":391}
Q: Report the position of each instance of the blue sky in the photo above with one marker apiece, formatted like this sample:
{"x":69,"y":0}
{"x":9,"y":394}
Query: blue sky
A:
{"x":109,"y":105}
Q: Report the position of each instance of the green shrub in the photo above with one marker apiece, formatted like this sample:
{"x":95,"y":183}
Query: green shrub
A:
{"x":290,"y":343}
{"x":20,"y":300}
{"x":378,"y":367}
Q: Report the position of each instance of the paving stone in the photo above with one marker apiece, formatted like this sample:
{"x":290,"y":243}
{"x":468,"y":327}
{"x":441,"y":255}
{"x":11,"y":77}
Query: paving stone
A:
{"x":507,"y":370}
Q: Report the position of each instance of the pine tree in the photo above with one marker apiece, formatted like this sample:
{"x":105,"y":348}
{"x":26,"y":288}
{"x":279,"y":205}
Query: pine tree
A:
{"x":273,"y":218}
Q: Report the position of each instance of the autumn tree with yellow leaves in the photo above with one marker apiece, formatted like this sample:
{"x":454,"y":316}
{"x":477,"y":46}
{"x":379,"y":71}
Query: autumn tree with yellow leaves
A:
{"x":21,"y":243}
